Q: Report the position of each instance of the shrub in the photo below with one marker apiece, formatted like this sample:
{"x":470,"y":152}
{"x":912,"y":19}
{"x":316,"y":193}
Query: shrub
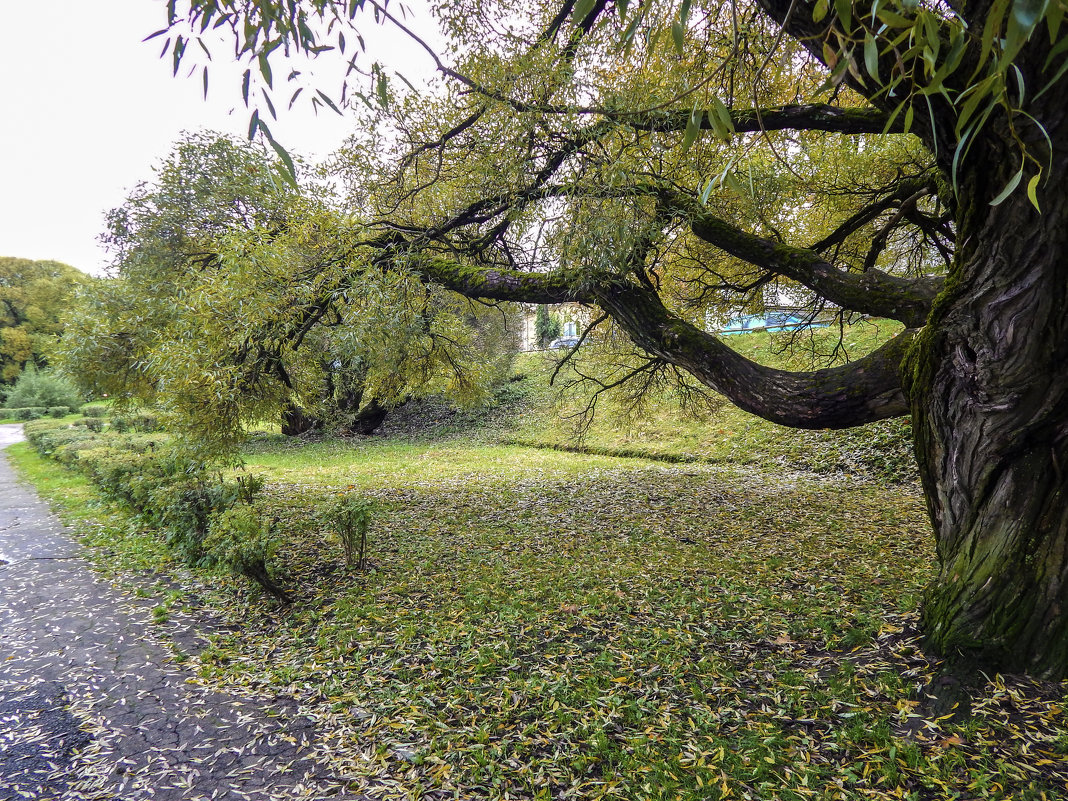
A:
{"x":350,"y":517}
{"x":58,"y":411}
{"x":146,"y":422}
{"x":94,"y":410}
{"x":41,"y":388}
{"x":30,"y":412}
{"x":239,"y":541}
{"x":95,"y":424}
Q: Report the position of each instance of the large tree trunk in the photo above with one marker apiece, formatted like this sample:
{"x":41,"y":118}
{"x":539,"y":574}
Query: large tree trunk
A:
{"x":296,"y":421}
{"x":988,"y":381}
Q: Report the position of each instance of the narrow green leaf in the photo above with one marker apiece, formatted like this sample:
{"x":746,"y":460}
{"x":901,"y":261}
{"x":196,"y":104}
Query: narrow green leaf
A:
{"x":871,"y":56}
{"x":1054,"y":18}
{"x":678,"y":34}
{"x":1057,"y":76}
{"x":253,"y":124}
{"x":893,"y":115}
{"x":290,"y":169}
{"x":1010,"y":187}
{"x":204,"y":73}
{"x":819,"y":11}
{"x":627,"y":39}
{"x":270,"y":105}
{"x":581,"y":10}
{"x":381,"y":89}
{"x":707,"y":192}
{"x":844,"y":10}
{"x":1032,"y":191}
{"x":265,"y":70}
{"x":726,"y":125}
{"x":246,"y":79}
{"x":177,"y":52}
{"x":328,"y":101}
{"x":693,"y":129}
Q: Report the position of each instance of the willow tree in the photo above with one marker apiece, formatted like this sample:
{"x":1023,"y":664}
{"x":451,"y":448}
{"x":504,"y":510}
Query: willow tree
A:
{"x":896,"y":158}
{"x":223,"y":311}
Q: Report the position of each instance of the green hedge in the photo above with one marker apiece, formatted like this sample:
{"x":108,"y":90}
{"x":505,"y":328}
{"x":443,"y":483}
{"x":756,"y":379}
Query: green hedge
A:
{"x":170,"y":493}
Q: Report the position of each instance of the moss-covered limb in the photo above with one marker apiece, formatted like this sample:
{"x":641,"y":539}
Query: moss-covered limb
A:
{"x":839,"y":397}
{"x":793,"y":117}
{"x":874,"y":292}
{"x":500,"y":284}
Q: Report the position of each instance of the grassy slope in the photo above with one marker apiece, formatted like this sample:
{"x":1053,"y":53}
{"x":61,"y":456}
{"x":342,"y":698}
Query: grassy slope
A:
{"x":532,"y":413}
{"x":540,"y":624}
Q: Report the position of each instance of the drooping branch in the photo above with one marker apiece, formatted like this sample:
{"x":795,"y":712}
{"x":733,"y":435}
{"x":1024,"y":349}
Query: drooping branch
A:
{"x":837,"y":397}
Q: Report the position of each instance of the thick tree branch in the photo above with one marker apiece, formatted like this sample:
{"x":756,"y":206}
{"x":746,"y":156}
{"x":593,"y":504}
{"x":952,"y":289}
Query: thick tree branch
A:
{"x":810,"y":117}
{"x":838,"y":397}
{"x":496,"y":284}
{"x":873,"y":292}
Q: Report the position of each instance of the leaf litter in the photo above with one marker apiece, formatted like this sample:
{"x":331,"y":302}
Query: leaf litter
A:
{"x":631,"y":630}
{"x":635,"y":632}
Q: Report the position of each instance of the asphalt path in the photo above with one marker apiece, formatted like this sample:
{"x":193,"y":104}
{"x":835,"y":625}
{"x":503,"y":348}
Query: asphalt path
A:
{"x":94,"y":706}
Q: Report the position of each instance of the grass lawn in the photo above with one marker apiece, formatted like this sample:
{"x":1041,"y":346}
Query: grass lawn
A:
{"x":540,"y":624}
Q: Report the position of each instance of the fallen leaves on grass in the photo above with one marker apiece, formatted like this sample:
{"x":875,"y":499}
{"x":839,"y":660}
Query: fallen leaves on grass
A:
{"x":651,"y":632}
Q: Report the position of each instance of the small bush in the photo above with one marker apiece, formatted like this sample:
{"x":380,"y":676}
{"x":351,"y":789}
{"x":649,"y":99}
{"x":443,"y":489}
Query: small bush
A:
{"x":58,"y":411}
{"x":30,"y":412}
{"x":146,"y":422}
{"x":41,"y":388}
{"x":95,"y":424}
{"x":94,"y":410}
{"x":239,"y":541}
{"x":350,"y":517}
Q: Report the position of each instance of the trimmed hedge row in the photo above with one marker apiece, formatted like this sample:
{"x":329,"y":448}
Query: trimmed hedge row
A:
{"x":35,"y":412}
{"x":193,"y":508}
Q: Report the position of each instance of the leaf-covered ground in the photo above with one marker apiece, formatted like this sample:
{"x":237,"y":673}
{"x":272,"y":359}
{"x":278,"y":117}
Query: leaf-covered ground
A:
{"x":538,"y":624}
{"x":626,"y":629}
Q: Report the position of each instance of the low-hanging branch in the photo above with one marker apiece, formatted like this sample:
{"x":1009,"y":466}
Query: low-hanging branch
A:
{"x":839,"y":397}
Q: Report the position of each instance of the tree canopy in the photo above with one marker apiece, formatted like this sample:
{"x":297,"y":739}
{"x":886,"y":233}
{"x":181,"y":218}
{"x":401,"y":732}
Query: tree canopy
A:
{"x":33,"y":296}
{"x":224,"y":310}
{"x":660,"y":161}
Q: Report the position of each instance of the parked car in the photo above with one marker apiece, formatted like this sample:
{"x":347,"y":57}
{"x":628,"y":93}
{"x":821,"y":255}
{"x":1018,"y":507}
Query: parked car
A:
{"x":563,"y":342}
{"x":773,"y":321}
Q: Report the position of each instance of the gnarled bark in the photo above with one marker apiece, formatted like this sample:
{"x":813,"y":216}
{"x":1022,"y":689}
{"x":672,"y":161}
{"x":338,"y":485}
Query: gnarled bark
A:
{"x":989,"y":391}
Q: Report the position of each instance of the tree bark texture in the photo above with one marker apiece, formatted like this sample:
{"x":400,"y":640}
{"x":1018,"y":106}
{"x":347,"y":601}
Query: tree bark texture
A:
{"x":988,"y":382}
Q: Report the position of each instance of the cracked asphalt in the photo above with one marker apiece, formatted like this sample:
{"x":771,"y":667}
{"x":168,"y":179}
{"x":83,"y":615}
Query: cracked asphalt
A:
{"x":93,"y":707}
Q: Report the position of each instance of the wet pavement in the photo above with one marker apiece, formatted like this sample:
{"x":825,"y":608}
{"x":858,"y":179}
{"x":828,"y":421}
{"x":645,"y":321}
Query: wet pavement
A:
{"x":94,"y":706}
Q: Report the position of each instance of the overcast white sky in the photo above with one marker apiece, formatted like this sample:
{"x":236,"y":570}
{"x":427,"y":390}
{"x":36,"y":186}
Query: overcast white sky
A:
{"x":87,"y":108}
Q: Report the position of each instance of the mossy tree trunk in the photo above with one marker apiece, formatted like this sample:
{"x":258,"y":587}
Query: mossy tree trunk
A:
{"x":989,"y":391}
